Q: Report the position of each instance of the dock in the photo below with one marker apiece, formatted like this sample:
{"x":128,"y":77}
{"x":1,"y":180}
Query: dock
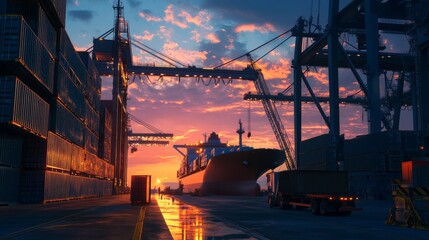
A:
{"x":188,"y":217}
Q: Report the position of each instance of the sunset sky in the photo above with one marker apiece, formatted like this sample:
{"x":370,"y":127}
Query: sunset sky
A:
{"x":206,"y":33}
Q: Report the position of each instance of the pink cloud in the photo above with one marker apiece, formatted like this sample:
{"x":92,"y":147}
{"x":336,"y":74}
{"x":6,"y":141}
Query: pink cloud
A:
{"x":149,"y":17}
{"x":146,"y":36}
{"x":199,"y":20}
{"x":170,"y":17}
{"x":213,"y":38}
{"x":267,"y":27}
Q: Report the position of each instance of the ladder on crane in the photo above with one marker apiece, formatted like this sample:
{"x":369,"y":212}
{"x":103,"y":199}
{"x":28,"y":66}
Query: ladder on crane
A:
{"x":273,"y":116}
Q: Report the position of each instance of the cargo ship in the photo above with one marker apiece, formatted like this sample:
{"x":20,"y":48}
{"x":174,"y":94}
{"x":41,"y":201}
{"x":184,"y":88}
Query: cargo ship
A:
{"x":213,"y":167}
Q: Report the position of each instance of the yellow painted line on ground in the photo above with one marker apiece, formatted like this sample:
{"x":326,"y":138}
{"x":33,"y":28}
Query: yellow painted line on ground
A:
{"x":139,"y":224}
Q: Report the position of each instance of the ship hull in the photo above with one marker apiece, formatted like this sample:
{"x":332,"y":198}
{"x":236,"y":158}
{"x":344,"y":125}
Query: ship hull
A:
{"x":233,"y":173}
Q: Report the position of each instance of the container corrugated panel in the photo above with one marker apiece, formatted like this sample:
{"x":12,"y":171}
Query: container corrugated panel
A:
{"x":90,"y":163}
{"x":94,"y":79}
{"x":92,"y":118}
{"x":68,"y":125}
{"x":71,"y":60}
{"x":9,"y":185}
{"x":46,"y":32}
{"x":34,"y":153}
{"x":313,"y":182}
{"x":19,"y":46}
{"x":69,"y":93}
{"x":77,"y":158}
{"x":60,"y":7}
{"x":81,"y":187}
{"x":59,"y":152}
{"x":91,"y":142}
{"x":19,"y":105}
{"x":57,"y":186}
{"x":109,"y":171}
{"x":32,"y":186}
{"x":10,"y":150}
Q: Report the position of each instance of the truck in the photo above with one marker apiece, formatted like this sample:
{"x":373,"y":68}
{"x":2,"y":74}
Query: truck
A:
{"x":323,"y":192}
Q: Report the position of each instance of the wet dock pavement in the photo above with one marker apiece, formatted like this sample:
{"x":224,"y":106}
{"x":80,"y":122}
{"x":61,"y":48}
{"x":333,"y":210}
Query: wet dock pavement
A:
{"x":188,"y":217}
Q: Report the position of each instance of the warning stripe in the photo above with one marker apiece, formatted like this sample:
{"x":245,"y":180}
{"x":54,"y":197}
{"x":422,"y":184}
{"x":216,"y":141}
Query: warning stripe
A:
{"x":410,"y":191}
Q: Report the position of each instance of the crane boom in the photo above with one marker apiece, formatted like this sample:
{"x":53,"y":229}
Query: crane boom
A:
{"x":273,"y":117}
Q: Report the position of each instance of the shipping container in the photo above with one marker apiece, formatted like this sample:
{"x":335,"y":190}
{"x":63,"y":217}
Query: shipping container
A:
{"x":94,"y":79}
{"x":81,"y":187}
{"x":66,"y":124}
{"x":313,"y":182}
{"x":59,"y":153}
{"x":140,"y":189}
{"x":109,"y":171}
{"x":46,"y":32}
{"x":105,"y":137}
{"x":32,"y":186}
{"x":77,"y":159}
{"x":57,"y":186}
{"x":20,"y":106}
{"x":416,"y":173}
{"x":9,"y":185}
{"x":71,"y":61}
{"x":92,"y":118}
{"x":10,"y":150}
{"x":69,"y":93}
{"x":91,"y":142}
{"x":34,"y":153}
{"x":23,"y":54}
{"x":57,"y":10}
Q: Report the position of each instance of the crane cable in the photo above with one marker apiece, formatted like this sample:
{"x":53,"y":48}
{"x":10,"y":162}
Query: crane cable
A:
{"x":260,"y":46}
{"x":135,"y":41}
{"x":145,"y":124}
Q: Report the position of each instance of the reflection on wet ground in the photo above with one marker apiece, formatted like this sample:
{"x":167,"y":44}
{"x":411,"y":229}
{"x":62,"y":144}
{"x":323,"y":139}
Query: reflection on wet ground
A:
{"x":189,"y":222}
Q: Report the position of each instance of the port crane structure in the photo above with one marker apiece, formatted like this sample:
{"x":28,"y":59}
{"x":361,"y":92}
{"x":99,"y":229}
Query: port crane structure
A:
{"x":113,"y":57}
{"x":361,"y":18}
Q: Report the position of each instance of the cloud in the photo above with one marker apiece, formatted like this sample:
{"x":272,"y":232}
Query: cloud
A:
{"x":73,"y":2}
{"x":148,"y":16}
{"x":134,"y":3}
{"x":213,"y":38}
{"x":171,"y":18}
{"x":81,"y":15}
{"x":146,"y":36}
{"x":227,"y":47}
{"x":253,"y":27}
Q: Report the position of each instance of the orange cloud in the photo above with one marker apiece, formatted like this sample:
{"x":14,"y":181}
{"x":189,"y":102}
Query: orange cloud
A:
{"x":146,"y":36}
{"x":170,"y":17}
{"x":199,"y":20}
{"x":267,"y":27}
{"x":213,"y":38}
{"x":148,"y":17}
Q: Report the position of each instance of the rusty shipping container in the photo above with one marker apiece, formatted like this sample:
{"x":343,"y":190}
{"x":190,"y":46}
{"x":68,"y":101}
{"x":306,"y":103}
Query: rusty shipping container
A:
{"x":140,"y":189}
{"x":23,"y":54}
{"x":77,"y":159}
{"x":105,"y":137}
{"x":91,"y":141}
{"x":22,"y":107}
{"x":57,"y":10}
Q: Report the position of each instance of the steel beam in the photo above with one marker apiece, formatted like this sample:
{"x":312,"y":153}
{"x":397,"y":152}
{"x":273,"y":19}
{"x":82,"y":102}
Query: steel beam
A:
{"x":297,"y":73}
{"x":373,"y":74}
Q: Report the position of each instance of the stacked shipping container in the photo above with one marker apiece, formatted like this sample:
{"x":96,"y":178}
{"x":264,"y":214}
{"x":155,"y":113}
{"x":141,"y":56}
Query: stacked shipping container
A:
{"x":45,"y":84}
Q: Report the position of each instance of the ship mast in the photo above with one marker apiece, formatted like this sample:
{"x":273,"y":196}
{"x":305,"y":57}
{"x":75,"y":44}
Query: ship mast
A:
{"x":240,"y":132}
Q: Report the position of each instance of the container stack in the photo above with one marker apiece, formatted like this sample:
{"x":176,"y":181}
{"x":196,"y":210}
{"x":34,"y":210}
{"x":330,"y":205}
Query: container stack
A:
{"x":49,"y":110}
